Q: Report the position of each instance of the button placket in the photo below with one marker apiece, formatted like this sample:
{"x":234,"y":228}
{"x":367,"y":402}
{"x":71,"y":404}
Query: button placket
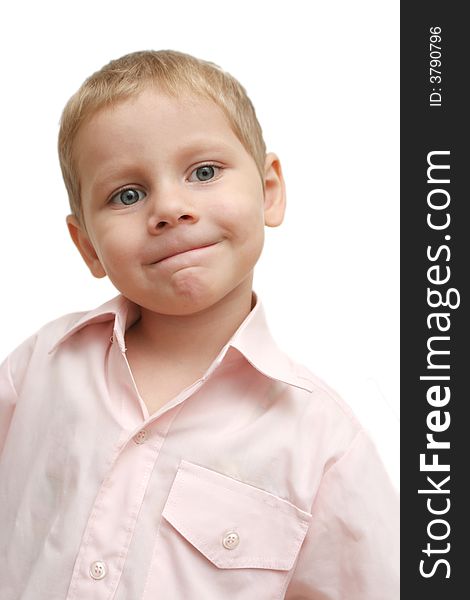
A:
{"x":128,"y":477}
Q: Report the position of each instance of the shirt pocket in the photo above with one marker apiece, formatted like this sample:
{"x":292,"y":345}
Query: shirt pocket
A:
{"x":220,"y":537}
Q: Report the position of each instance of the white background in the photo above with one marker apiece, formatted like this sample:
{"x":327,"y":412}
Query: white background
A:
{"x":324,"y":80}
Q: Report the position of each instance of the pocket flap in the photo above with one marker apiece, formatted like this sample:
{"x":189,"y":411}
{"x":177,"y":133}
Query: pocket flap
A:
{"x":234,"y":524}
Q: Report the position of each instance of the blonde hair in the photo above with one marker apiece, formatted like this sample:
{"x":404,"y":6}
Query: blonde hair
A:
{"x":173,"y":73}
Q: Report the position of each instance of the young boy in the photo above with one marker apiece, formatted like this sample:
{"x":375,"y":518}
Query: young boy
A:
{"x":162,"y":445}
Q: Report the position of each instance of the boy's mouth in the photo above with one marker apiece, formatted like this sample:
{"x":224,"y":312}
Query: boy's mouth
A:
{"x":182,"y":250}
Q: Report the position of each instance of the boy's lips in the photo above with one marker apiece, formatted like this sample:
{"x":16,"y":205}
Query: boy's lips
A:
{"x":182,"y":250}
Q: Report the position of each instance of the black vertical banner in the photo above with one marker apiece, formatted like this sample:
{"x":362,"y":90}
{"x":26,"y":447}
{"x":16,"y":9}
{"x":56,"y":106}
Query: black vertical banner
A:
{"x":435,"y":270}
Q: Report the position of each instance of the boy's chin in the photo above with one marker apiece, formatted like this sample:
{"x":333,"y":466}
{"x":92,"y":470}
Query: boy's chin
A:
{"x":191,"y":293}
{"x":189,"y":302}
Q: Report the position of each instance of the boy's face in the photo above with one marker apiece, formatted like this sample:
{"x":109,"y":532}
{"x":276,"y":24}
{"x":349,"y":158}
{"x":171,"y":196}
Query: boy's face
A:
{"x":173,"y":203}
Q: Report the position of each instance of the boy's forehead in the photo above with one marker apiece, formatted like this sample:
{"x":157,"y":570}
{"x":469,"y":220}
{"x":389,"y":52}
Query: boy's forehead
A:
{"x":189,"y":115}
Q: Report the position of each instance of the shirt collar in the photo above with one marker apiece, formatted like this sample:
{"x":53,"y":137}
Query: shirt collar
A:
{"x":252,"y":338}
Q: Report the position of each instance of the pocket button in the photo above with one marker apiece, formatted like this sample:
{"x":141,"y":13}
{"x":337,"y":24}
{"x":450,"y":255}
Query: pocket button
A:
{"x":231,"y":540}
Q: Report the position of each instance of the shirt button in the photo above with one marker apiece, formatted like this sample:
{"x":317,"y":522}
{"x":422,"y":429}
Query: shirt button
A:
{"x":140,"y":437}
{"x":98,"y":569}
{"x":231,"y":540}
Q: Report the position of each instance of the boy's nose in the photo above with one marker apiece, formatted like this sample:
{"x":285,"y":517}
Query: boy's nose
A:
{"x":170,"y":210}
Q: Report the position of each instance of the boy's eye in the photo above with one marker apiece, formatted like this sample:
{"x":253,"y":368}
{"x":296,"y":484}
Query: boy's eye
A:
{"x":128,"y":196}
{"x":204,"y":173}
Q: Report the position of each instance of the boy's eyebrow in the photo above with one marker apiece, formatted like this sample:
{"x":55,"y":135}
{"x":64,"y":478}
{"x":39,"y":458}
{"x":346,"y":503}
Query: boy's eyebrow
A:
{"x":203,"y":145}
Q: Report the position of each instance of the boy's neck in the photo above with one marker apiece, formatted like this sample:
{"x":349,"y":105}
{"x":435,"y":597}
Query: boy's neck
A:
{"x":194,"y":339}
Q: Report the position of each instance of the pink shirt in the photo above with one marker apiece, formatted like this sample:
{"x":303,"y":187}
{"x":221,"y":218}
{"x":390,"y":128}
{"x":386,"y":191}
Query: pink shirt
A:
{"x":256,"y":482}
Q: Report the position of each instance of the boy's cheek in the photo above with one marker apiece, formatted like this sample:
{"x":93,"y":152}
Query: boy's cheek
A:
{"x":244,"y":211}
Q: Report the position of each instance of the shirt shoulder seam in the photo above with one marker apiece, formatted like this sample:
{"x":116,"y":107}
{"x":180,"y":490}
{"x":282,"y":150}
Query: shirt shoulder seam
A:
{"x":317,"y":383}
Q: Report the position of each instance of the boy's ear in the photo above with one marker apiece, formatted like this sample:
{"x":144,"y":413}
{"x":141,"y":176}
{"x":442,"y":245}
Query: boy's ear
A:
{"x":85,"y":247}
{"x":274,"y":191}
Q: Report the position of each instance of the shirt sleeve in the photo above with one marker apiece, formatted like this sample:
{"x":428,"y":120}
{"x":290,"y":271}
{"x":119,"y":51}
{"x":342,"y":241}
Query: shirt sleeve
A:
{"x":13,"y":371}
{"x":351,"y":550}
{"x":8,"y":397}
